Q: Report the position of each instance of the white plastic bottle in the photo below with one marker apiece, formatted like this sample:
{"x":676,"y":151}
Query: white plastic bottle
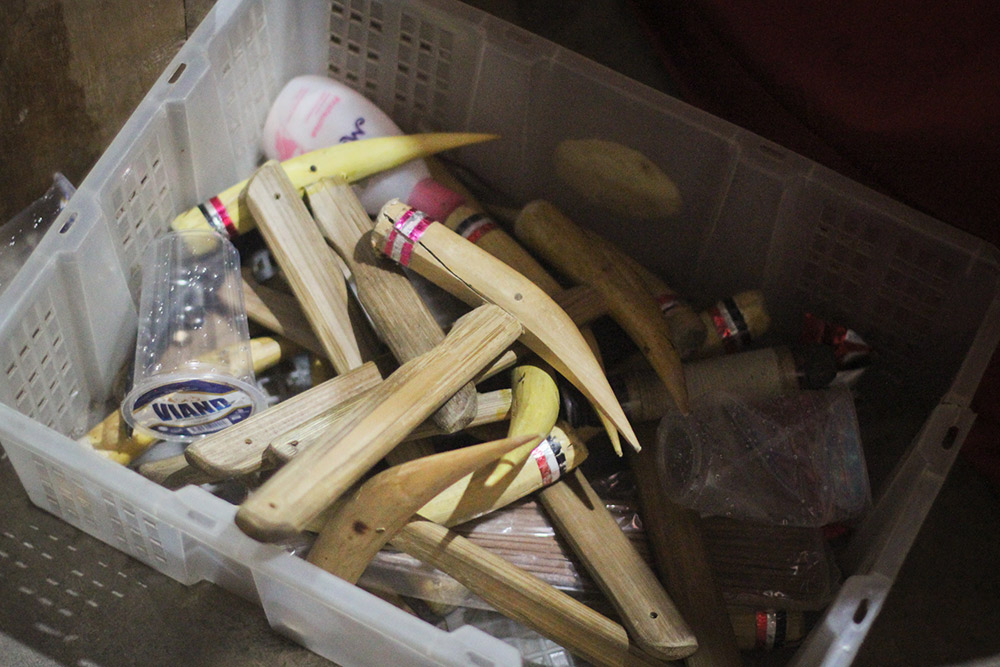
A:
{"x":313,"y":112}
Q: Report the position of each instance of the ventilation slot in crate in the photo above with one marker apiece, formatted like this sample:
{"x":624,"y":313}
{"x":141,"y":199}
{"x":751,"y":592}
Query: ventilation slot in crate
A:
{"x":357,"y":44}
{"x":247,"y":82}
{"x":863,"y":267}
{"x":420,"y":77}
{"x":38,"y":372}
{"x":423,"y":71}
{"x":141,"y":202}
{"x":66,"y":495}
{"x":133,"y":531}
{"x":909,"y":302}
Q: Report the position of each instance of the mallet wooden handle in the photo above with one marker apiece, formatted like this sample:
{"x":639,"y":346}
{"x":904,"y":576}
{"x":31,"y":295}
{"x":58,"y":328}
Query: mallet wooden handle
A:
{"x":299,"y":437}
{"x":679,"y":555}
{"x":398,"y":313}
{"x":581,"y":517}
{"x":517,"y":594}
{"x":475,"y":276}
{"x":559,"y":241}
{"x":297,"y":244}
{"x":491,"y":407}
{"x":312,"y":480}
{"x":237,"y":450}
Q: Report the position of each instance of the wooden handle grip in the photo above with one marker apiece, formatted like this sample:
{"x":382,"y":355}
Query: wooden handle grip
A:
{"x":312,"y":480}
{"x":517,"y":594}
{"x":491,"y":407}
{"x":299,"y":248}
{"x":398,"y":313}
{"x":679,"y":554}
{"x":583,"y":520}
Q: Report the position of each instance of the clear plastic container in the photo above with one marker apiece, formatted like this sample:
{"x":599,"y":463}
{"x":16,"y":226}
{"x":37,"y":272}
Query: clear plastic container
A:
{"x":193,"y":372}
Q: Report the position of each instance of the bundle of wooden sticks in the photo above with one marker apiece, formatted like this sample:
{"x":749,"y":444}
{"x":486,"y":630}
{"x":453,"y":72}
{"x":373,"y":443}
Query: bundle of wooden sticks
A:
{"x":756,"y":565}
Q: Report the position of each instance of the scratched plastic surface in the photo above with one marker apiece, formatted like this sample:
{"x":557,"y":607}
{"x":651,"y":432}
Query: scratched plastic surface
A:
{"x":536,"y":650}
{"x":21,"y":234}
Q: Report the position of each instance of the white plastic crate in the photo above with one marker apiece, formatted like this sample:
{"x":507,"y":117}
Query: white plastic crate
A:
{"x":924,"y":294}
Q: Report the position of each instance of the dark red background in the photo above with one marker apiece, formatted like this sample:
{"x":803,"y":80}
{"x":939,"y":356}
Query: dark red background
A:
{"x":904,"y":97}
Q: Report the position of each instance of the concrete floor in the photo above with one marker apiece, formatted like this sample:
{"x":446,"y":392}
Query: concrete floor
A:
{"x":70,"y":600}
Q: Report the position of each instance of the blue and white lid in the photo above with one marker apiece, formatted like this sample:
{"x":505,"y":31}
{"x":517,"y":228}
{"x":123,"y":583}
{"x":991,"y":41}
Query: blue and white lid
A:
{"x":186,"y":409}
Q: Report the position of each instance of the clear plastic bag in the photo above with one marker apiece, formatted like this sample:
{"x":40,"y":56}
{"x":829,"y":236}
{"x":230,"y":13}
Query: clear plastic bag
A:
{"x":792,"y":461}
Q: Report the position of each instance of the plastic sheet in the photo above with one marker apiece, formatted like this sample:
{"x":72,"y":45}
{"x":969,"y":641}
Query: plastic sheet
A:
{"x":792,"y":461}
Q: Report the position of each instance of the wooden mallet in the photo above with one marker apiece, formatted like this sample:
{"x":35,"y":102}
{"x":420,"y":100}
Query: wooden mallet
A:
{"x":582,"y":519}
{"x":476,"y":277}
{"x":379,"y":511}
{"x":312,"y":272}
{"x":364,"y":520}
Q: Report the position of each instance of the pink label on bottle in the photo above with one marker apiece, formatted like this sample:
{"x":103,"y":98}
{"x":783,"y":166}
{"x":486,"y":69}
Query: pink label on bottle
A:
{"x":434,"y":199}
{"x":285,"y":146}
{"x":321,"y":110}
